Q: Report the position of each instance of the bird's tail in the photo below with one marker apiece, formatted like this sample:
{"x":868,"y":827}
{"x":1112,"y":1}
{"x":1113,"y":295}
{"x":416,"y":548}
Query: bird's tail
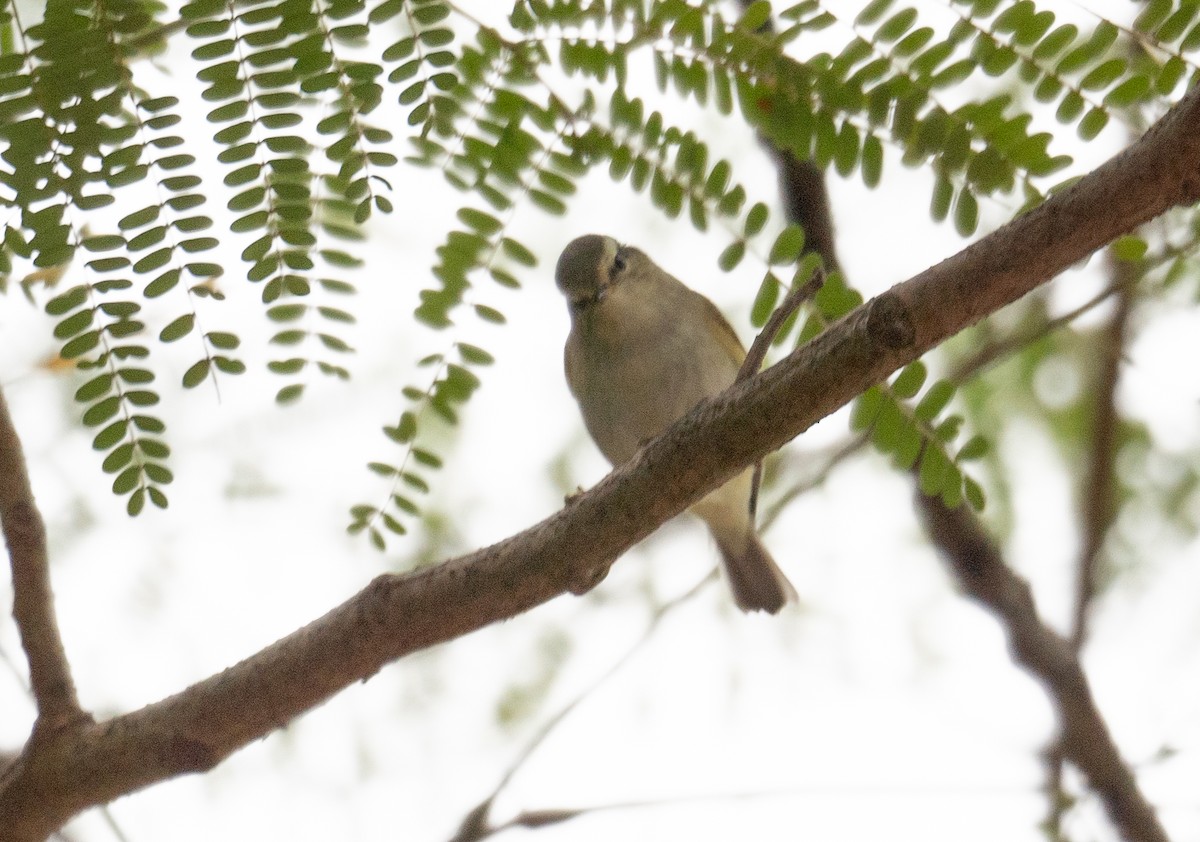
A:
{"x":754,"y":578}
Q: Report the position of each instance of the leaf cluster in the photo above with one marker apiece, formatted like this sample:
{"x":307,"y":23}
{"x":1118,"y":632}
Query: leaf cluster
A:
{"x":297,"y":95}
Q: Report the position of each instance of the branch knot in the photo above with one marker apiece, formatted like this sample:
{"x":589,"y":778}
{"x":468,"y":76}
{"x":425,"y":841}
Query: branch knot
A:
{"x":889,"y":322}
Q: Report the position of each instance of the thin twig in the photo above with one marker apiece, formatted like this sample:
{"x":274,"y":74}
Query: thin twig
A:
{"x":1097,"y":507}
{"x":998,"y":350}
{"x":1099,"y":495}
{"x":796,"y":296}
{"x":816,"y":479}
{"x":477,"y":823}
{"x":33,"y":600}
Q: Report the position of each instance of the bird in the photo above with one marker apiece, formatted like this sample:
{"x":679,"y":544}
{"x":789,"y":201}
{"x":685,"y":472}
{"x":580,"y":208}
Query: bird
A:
{"x":643,"y":349}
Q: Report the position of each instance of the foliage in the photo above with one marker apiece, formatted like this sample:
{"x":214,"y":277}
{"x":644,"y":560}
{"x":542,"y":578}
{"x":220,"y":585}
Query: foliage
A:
{"x":514,"y":114}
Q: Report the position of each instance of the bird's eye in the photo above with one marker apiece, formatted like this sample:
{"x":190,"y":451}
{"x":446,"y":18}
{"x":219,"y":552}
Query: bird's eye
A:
{"x":619,"y":262}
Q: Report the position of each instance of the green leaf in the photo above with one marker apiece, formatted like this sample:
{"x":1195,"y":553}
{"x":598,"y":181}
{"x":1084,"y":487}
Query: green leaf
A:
{"x":416,"y":481}
{"x":934,"y":401}
{"x":424,"y":457}
{"x":98,"y":242}
{"x":755,"y":219}
{"x":966,"y":213}
{"x":118,"y":458}
{"x":405,"y":431}
{"x":135,"y":375}
{"x":943,"y":198}
{"x":67,"y":301}
{"x":139,"y":219}
{"x":1093,"y":123}
{"x":872,"y":161}
{"x":933,"y":471}
{"x":1103,"y":75}
{"x":910,"y":380}
{"x":477,"y":220}
{"x":952,"y":75}
{"x":896,"y":25}
{"x":80,"y":345}
{"x":162,"y":284}
{"x":119,"y":309}
{"x":755,"y":16}
{"x":102,"y":411}
{"x":110,"y":435}
{"x":178,"y":328}
{"x":1128,"y":92}
{"x":127,"y":480}
{"x":94,"y":388}
{"x":74,"y":324}
{"x":866,"y":409}
{"x":1152,"y":15}
{"x":141,"y":397}
{"x":732,"y":255}
{"x":383,"y":470}
{"x":1070,"y":108}
{"x":223,"y":341}
{"x":289,"y":394}
{"x":907,"y":448}
{"x":787,"y":246}
{"x":489,"y":314}
{"x":518,"y":253}
{"x":404,"y":504}
{"x":952,"y":488}
{"x":976,"y":447}
{"x":874,"y":11}
{"x":765,"y":300}
{"x":974,"y":493}
{"x":148,"y":424}
{"x":158,"y":473}
{"x":289,"y":366}
{"x":1171,"y":73}
{"x":1130,"y":248}
{"x":474,"y":355}
{"x":196,"y":374}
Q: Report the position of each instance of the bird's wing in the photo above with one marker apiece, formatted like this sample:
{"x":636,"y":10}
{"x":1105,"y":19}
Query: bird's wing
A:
{"x":571,"y":364}
{"x":726,"y":335}
{"x":732,"y":345}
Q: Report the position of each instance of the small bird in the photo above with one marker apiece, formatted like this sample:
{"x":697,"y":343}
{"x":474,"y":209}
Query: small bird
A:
{"x":643,"y":350}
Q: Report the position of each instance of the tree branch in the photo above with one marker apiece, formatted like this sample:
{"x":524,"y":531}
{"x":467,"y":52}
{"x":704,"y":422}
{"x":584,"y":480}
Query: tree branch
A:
{"x":33,"y":599}
{"x":797,"y":295}
{"x":477,"y":824}
{"x":573,"y":549}
{"x":1098,"y":504}
{"x":979,"y":568}
{"x":1099,"y":493}
{"x":1000,"y":348}
{"x":802,"y":189}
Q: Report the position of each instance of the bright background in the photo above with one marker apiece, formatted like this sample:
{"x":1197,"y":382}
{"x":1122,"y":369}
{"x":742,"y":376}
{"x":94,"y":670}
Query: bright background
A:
{"x":883,"y":705}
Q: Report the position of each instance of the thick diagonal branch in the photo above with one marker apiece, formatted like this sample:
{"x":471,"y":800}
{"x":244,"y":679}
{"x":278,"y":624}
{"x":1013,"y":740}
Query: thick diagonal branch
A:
{"x":572,"y":549}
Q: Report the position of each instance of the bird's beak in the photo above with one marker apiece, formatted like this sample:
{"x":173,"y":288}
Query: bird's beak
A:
{"x":584,"y":301}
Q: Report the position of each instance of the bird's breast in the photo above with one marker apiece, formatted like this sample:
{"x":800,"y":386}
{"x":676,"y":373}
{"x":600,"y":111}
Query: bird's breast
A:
{"x":635,"y":375}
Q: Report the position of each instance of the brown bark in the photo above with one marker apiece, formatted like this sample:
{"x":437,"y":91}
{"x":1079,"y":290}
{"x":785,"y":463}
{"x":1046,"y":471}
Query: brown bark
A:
{"x":1084,"y":737}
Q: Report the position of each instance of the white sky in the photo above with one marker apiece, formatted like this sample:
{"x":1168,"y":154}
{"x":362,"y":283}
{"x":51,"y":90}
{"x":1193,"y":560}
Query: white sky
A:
{"x":885,"y":704}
